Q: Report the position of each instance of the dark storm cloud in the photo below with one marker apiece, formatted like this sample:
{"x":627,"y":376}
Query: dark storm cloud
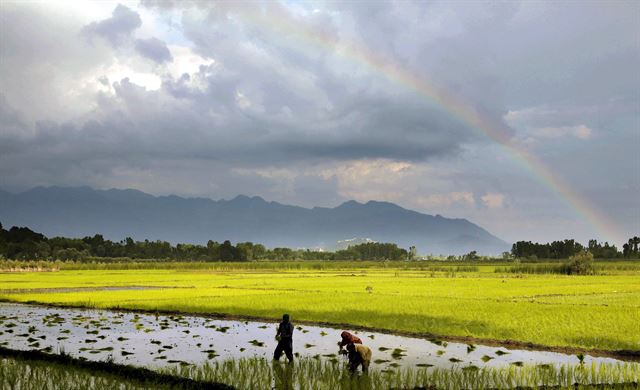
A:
{"x":118,"y":28}
{"x":153,"y":49}
{"x":225,"y":100}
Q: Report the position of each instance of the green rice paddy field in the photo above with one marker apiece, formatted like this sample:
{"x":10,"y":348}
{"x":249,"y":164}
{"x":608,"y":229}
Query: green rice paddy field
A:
{"x":483,"y":302}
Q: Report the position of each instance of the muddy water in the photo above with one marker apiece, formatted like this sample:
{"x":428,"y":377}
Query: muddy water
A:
{"x":154,"y":341}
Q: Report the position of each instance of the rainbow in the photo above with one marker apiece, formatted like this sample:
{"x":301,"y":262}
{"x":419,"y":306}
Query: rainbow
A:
{"x":280,"y":20}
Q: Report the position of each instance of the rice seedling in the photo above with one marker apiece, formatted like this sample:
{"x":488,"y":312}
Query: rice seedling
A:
{"x":398,"y":353}
{"x":316,"y":374}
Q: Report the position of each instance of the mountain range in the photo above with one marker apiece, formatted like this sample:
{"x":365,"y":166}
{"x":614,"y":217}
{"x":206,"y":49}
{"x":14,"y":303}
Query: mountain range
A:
{"x":116,"y":214}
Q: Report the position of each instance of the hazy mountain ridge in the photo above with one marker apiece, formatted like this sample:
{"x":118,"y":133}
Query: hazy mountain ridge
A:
{"x":81,"y":211}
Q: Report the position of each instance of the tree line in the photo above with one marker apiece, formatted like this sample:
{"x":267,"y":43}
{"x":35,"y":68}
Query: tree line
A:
{"x":567,"y":248}
{"x":21,"y":243}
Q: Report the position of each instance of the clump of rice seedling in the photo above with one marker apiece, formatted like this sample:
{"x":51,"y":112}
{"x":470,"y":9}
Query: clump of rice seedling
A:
{"x":398,"y":353}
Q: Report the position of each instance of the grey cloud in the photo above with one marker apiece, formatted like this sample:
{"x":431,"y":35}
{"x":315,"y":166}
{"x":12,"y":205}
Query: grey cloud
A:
{"x":271,"y":98}
{"x":153,"y":49}
{"x":118,"y":28}
{"x":316,"y":190}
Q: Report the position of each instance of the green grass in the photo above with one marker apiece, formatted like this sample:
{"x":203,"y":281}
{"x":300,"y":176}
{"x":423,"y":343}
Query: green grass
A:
{"x":591,"y":312}
{"x":19,"y":374}
{"x":39,"y":370}
{"x":309,"y":373}
{"x":46,"y":372}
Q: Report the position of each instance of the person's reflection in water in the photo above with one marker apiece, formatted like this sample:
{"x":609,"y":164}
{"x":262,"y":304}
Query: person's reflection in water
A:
{"x":282,"y":376}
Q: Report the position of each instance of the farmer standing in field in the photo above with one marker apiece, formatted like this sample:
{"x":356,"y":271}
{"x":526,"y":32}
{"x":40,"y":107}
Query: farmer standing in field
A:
{"x":284,"y":335}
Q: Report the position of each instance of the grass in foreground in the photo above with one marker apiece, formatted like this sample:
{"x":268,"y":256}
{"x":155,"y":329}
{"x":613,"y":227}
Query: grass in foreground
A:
{"x":26,"y":370}
{"x":55,"y":372}
{"x":309,"y":373}
{"x":591,"y":312}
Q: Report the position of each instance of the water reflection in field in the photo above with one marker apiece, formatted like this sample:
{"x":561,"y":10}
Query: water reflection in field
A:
{"x":161,"y":340}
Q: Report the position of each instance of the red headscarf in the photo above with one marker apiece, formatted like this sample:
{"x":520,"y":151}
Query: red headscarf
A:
{"x":348,"y":338}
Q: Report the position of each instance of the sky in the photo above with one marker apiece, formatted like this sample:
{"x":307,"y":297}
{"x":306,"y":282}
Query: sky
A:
{"x":523,"y":117}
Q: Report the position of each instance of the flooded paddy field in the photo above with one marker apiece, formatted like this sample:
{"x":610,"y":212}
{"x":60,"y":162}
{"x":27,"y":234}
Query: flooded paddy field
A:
{"x":165,"y":340}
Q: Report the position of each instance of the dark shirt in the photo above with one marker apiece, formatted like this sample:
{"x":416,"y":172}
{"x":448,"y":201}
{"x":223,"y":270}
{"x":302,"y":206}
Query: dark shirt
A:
{"x":285,"y":330}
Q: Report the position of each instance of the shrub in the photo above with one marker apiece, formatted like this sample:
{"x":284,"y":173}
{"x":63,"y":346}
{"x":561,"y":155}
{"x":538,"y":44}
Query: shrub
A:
{"x":581,"y":264}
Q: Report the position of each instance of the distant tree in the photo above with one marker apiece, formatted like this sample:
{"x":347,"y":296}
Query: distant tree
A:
{"x":413,"y":252}
{"x":259,"y":251}
{"x":245,"y":251}
{"x":473,"y":255}
{"x":282,"y":254}
{"x":581,"y":264}
{"x":630,"y":249}
{"x":213,"y":250}
{"x":228,"y":252}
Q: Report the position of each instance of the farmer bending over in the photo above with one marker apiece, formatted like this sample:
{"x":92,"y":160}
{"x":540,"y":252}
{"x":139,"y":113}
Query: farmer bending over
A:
{"x":284,"y":335}
{"x":359,"y":354}
{"x":348,"y":338}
